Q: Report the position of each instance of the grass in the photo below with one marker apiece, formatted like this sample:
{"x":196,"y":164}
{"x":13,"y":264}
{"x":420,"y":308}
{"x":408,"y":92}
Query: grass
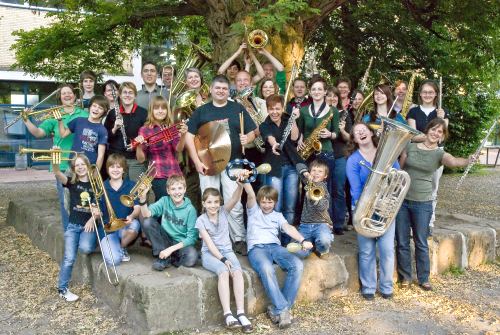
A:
{"x":454,"y":271}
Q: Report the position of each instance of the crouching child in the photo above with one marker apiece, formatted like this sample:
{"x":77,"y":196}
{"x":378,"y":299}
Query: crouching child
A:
{"x":264,"y":249}
{"x":172,"y":241}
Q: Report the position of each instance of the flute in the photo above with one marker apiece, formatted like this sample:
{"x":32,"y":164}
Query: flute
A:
{"x":440,"y":98}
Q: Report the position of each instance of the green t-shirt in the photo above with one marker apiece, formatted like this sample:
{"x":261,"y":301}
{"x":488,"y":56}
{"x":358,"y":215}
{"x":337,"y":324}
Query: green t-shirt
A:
{"x":421,"y":165}
{"x":306,"y":124}
{"x":280,"y":78}
{"x":51,"y":127}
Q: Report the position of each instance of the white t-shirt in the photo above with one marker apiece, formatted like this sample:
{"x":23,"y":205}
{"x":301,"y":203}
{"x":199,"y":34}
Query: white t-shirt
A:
{"x":219,"y":233}
{"x":263,"y":228}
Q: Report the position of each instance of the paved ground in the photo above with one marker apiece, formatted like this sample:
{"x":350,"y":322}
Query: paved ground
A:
{"x":462,"y":303}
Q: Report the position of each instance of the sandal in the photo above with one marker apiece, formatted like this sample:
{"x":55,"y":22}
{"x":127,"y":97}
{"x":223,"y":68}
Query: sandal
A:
{"x":246,"y":325}
{"x":230,"y":321}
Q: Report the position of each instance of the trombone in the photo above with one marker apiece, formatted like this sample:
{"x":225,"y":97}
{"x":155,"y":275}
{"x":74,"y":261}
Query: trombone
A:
{"x":55,"y":112}
{"x":55,"y":155}
{"x":97,"y":185}
{"x":86,"y":197}
{"x":143,"y":183}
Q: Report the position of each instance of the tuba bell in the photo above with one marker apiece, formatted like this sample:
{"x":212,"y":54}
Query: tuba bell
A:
{"x":386,"y":187}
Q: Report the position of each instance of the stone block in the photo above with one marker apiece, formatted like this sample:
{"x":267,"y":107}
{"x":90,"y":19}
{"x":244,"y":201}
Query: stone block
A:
{"x":446,"y":249}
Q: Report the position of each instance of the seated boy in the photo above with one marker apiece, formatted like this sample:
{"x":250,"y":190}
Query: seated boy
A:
{"x":173,"y":241}
{"x":91,"y":137}
{"x":315,"y":222}
{"x":264,"y":249}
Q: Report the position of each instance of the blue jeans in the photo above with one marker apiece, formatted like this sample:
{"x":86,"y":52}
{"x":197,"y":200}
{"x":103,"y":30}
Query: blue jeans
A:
{"x":261,"y":258}
{"x":368,"y":262}
{"x":317,"y":233}
{"x":114,"y":240}
{"x":288,"y":191}
{"x":329,"y":159}
{"x":64,"y":212}
{"x":414,"y":216}
{"x":74,"y":238}
{"x":339,"y":204}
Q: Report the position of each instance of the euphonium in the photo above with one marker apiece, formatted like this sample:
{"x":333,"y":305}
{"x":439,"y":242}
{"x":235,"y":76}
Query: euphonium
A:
{"x":313,"y":142}
{"x":386,"y":187}
{"x":257,"y":39}
{"x":56,"y":156}
{"x":143,"y":183}
{"x":97,"y":185}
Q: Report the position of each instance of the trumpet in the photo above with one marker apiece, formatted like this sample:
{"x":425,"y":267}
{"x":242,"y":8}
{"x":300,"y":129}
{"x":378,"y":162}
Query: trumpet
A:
{"x":115,"y":282}
{"x":56,"y":156}
{"x":257,"y":39}
{"x":97,"y":185}
{"x":165,"y":134}
{"x":55,"y":112}
{"x":143,"y":183}
{"x":314,"y":192}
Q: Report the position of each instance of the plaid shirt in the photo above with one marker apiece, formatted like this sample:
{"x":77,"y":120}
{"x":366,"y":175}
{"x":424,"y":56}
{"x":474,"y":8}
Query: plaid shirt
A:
{"x":163,"y":154}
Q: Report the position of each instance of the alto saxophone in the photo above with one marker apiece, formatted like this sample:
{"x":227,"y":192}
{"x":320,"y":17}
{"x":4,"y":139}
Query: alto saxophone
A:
{"x":313,"y":143}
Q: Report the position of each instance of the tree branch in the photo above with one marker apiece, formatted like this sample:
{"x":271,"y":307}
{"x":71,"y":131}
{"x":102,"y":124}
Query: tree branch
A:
{"x":326,"y":7}
{"x":187,"y":8}
{"x":425,"y":16}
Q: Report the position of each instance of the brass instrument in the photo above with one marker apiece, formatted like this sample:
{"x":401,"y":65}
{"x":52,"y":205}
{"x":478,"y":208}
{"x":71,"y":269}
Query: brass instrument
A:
{"x":386,"y":187}
{"x":314,"y":192}
{"x":86,"y":198}
{"x":143,"y":183}
{"x":257,"y":39}
{"x":367,"y":103}
{"x":477,"y":153}
{"x":55,"y":156}
{"x":197,"y":58}
{"x":185,"y":103}
{"x":97,"y":185}
{"x":244,"y":98}
{"x":164,"y":134}
{"x":55,"y":112}
{"x":293,"y":75}
{"x":313,"y":142}
{"x":234,"y":172}
{"x":405,"y":108}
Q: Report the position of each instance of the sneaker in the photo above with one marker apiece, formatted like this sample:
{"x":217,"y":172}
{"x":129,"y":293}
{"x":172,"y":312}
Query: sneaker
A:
{"x":125,"y":257}
{"x":68,"y":295}
{"x":161,"y":264}
{"x":293,"y":247}
{"x":273,"y":317}
{"x":240,"y":247}
{"x":285,"y":319}
{"x":368,"y":296}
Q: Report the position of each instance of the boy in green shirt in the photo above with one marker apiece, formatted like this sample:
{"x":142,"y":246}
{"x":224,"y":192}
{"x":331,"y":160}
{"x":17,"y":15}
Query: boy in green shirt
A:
{"x":173,"y":241}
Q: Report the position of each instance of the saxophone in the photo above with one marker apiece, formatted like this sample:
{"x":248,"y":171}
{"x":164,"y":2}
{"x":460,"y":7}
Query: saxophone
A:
{"x":313,"y":143}
{"x":243,"y":98}
{"x":405,"y":108}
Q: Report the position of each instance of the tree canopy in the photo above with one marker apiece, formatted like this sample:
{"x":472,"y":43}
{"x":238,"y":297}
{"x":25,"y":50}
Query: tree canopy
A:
{"x":457,"y":40}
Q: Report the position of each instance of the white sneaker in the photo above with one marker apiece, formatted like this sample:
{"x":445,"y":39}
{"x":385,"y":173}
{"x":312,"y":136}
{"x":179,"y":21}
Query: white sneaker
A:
{"x":68,"y":296}
{"x":125,"y":257}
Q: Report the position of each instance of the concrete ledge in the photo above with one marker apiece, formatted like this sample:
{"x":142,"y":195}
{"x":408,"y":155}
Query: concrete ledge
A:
{"x":187,"y":298}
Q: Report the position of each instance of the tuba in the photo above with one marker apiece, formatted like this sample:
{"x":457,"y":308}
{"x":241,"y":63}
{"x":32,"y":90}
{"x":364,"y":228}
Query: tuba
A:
{"x":386,"y":187}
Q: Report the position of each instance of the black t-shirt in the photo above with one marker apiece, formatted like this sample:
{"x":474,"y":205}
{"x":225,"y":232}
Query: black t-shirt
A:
{"x":421,"y":119}
{"x":339,"y":143}
{"x":79,"y":212}
{"x":132,"y":122}
{"x":230,"y":113}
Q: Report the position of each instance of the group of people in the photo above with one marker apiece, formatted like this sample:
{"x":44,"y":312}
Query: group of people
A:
{"x":278,"y":222}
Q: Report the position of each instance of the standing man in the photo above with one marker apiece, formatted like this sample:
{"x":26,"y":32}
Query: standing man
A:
{"x":222,"y":110}
{"x":149,"y":75}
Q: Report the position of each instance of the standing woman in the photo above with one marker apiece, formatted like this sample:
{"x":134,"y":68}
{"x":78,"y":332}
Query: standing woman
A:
{"x":48,"y":127}
{"x":362,"y":149}
{"x":131,"y":118}
{"x":107,"y":91}
{"x":162,"y":153}
{"x":420,"y":160}
{"x":418,"y":117}
{"x":267,"y":88}
{"x":310,"y":118}
{"x":382,"y":101}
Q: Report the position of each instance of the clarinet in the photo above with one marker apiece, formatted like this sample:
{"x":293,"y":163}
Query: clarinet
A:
{"x":119,"y":116}
{"x":288,"y":128}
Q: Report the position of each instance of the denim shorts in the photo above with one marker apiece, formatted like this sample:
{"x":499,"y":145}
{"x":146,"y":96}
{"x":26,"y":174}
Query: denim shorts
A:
{"x":214,"y":265}
{"x":135,"y":226}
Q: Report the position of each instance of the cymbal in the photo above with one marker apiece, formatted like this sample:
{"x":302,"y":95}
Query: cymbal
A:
{"x":213,"y":146}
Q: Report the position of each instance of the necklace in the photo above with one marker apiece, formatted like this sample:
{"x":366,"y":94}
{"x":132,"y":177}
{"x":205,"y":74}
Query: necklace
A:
{"x":429,"y":147}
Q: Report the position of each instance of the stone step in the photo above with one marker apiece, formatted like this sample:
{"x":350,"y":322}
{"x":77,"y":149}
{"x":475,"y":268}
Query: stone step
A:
{"x":186,"y":298}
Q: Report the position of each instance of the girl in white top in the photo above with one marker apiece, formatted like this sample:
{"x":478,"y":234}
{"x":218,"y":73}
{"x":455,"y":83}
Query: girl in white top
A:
{"x":218,"y":256}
